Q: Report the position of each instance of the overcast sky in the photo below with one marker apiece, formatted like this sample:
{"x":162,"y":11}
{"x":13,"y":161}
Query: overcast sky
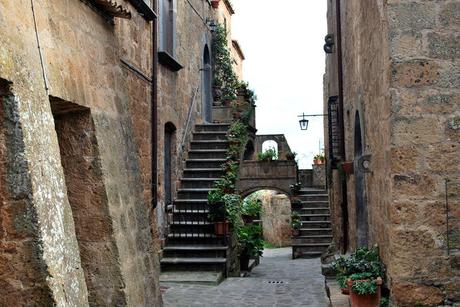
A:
{"x":285,"y":62}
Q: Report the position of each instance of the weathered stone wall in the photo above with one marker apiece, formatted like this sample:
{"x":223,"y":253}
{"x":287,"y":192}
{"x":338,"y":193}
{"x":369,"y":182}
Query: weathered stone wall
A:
{"x":276,"y":218}
{"x":319,"y":175}
{"x":400,"y":74}
{"x":424,"y":45}
{"x":82,"y":55}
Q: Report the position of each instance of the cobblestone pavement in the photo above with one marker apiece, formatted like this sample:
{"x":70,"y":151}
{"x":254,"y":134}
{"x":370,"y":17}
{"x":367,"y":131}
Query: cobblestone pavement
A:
{"x":277,"y":281}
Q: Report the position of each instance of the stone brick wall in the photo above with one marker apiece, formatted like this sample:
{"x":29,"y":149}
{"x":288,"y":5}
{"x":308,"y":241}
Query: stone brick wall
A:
{"x":82,"y":56}
{"x":276,"y":218}
{"x":400,"y":74}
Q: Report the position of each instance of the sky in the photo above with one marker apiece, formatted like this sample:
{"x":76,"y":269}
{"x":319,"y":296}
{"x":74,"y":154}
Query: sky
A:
{"x":285,"y":63}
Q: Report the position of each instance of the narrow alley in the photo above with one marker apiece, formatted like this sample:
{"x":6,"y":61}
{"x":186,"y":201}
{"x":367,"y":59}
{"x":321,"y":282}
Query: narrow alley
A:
{"x":277,"y":281}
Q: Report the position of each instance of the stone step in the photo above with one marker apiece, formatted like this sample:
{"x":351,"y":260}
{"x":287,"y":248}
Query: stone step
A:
{"x":311,"y":197}
{"x":298,"y":253}
{"x":193,"y":264}
{"x":315,"y":217}
{"x":203,"y":173}
{"x":316,"y":224}
{"x":207,"y":154}
{"x":200,"y":193}
{"x":315,"y":231}
{"x":191,"y":229}
{"x":313,"y":210}
{"x":195,"y":251}
{"x":310,"y":247}
{"x":314,"y":203}
{"x":312,"y":191}
{"x":204,"y":163}
{"x":209,"y":135}
{"x":199,"y":277}
{"x":312,"y":239}
{"x":219,"y":144}
{"x":188,"y":183}
{"x":212,"y":127}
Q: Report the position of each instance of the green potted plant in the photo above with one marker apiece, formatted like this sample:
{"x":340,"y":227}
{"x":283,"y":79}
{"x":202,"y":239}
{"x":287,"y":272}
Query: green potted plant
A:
{"x":319,"y":159}
{"x":360,"y":276}
{"x":251,"y":209}
{"x":250,"y":238}
{"x":295,"y":188}
{"x":218,"y":213}
{"x":296,"y":223}
{"x":268,"y":155}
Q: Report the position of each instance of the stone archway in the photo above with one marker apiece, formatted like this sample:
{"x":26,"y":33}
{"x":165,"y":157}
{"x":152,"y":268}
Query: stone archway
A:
{"x":360,"y":189}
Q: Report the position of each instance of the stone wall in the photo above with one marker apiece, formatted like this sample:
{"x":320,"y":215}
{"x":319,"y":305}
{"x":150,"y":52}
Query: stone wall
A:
{"x":276,"y":218}
{"x":401,"y":87}
{"x":81,"y":57}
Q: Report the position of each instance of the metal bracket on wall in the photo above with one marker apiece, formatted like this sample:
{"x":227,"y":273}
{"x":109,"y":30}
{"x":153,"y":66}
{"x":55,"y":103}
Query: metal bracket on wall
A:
{"x":329,"y":39}
{"x":363,"y":164}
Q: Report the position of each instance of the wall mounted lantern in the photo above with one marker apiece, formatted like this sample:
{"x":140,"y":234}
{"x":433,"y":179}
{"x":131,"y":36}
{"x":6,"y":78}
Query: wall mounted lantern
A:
{"x":329,"y":43}
{"x":304,"y":121}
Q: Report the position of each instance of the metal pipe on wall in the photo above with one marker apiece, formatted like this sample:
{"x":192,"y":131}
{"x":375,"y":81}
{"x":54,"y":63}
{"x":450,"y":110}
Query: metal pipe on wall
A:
{"x":154,"y":109}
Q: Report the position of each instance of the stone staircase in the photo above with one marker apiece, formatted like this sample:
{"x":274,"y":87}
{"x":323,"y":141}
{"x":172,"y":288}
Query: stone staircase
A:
{"x":193,"y":253}
{"x":316,"y":233}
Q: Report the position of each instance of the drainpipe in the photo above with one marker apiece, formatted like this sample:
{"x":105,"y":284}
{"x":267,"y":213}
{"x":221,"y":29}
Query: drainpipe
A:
{"x":154,"y":108}
{"x":344,"y":205}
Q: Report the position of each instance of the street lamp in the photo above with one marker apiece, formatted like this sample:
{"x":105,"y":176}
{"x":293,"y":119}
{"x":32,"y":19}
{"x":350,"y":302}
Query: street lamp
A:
{"x":304,"y":121}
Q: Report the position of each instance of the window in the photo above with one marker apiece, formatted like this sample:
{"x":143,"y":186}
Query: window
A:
{"x":167,"y":53}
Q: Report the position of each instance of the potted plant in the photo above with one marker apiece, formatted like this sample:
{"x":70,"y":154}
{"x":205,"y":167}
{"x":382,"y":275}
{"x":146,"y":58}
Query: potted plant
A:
{"x":250,"y":238}
{"x":251,"y":209}
{"x":218,"y":213}
{"x":365,"y":290}
{"x":296,"y":223}
{"x":268,"y":155}
{"x":364,"y":269}
{"x":295,"y":188}
{"x":215,"y":3}
{"x":319,"y":159}
{"x":290,"y":156}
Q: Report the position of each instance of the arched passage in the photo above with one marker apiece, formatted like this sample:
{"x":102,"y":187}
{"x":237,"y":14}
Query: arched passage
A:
{"x":206,"y":75}
{"x":360,"y":193}
{"x":275,"y":216}
{"x":270,"y":145}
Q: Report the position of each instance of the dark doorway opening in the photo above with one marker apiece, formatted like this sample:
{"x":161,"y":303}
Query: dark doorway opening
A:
{"x":169,"y":152}
{"x":206,"y":80}
{"x":360,"y":189}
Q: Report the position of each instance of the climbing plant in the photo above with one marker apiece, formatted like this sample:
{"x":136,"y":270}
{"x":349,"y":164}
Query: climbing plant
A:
{"x":224,"y":77}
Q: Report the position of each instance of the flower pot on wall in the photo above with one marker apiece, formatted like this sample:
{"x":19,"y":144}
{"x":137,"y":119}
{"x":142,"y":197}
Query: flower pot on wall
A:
{"x":215,"y":3}
{"x":221,"y":228}
{"x":367,"y":300}
{"x":348,"y":168}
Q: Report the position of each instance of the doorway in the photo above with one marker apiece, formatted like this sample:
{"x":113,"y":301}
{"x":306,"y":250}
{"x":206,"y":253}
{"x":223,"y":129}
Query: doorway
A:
{"x":360,"y":189}
{"x":169,"y":152}
{"x":206,"y":79}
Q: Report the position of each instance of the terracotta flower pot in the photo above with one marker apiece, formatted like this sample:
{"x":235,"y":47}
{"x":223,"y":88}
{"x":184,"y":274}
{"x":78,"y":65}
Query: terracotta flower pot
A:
{"x":221,"y":228}
{"x":247,"y":219}
{"x":368,"y":300}
{"x":215,"y":3}
{"x":295,"y":232}
{"x":345,"y":291}
{"x":348,"y":167}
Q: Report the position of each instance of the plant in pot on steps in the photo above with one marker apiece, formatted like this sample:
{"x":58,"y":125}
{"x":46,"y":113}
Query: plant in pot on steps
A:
{"x":295,"y":188}
{"x":296,"y":223}
{"x":251,"y":209}
{"x":218,"y":213}
{"x":250,"y":238}
{"x":319,"y":159}
{"x":360,"y":276}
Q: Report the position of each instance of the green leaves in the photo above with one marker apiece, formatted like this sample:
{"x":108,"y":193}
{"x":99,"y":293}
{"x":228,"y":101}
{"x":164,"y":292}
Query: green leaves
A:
{"x":268,"y":155}
{"x":250,"y":237}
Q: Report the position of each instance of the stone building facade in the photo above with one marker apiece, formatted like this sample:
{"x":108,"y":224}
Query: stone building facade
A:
{"x":393,"y":99}
{"x":75,"y":84}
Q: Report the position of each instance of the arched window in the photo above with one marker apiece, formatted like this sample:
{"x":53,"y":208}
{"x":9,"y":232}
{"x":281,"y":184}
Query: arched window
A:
{"x":206,"y":85}
{"x":270,"y":145}
{"x":168,"y":26}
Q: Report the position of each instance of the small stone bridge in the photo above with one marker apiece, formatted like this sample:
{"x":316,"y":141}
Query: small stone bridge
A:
{"x":266,"y":175}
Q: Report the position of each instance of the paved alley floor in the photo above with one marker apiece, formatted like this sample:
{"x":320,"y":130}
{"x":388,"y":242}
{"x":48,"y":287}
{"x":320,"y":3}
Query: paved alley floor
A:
{"x":276,"y":281}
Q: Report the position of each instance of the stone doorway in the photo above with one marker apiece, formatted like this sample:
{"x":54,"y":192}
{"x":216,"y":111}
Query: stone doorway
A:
{"x":169,"y":152}
{"x":360,"y":189}
{"x":87,"y":197}
{"x":206,"y":81}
